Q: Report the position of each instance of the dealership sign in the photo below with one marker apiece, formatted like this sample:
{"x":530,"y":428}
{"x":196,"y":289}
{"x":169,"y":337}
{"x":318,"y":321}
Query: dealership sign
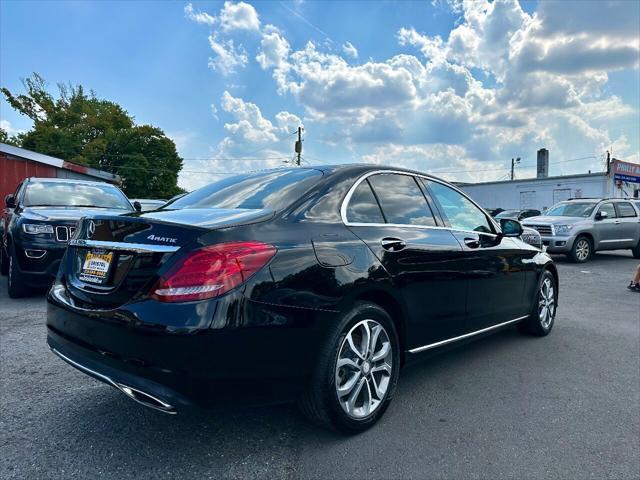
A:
{"x":626,"y":172}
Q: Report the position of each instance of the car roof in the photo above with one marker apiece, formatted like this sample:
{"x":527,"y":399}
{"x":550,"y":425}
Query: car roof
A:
{"x":362,"y":168}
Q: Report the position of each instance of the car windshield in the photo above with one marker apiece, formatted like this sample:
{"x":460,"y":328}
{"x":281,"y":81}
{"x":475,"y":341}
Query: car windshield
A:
{"x":63,"y":194}
{"x":573,"y":209}
{"x":275,"y":189}
{"x":508,"y":214}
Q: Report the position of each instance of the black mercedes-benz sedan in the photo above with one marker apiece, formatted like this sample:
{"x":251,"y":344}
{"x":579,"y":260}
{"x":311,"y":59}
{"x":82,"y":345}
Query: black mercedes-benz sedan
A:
{"x":38,"y":221}
{"x":307,"y":284}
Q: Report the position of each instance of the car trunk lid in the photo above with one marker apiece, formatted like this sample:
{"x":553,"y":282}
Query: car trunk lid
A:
{"x":114,"y":259}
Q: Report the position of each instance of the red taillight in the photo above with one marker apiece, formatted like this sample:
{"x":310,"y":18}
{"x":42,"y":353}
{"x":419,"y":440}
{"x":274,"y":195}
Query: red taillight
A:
{"x":212,"y":271}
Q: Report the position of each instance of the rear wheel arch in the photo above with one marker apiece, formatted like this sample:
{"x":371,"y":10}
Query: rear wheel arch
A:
{"x":393,"y":307}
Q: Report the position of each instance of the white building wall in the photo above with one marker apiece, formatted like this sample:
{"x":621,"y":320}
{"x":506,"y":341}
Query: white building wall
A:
{"x":539,"y":193}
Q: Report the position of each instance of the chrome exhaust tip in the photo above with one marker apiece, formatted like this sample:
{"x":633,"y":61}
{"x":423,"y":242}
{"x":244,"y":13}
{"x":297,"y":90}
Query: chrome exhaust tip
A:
{"x":143,"y":398}
{"x":146,"y":399}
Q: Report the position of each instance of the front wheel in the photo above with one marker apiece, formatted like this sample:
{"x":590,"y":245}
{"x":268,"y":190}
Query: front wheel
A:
{"x":15,"y":285}
{"x":4,"y":261}
{"x":543,"y":312}
{"x":357,"y":371}
{"x":581,"y":250}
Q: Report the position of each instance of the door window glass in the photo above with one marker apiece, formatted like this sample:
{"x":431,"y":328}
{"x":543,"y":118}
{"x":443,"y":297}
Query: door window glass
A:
{"x":363,"y":207}
{"x":626,"y":210}
{"x":608,"y":207}
{"x":461,"y":212}
{"x":401,"y":200}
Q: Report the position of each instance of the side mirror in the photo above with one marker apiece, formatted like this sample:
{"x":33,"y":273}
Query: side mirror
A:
{"x":10,"y":201}
{"x":601,"y":215}
{"x":137,"y":206}
{"x":510,"y":228}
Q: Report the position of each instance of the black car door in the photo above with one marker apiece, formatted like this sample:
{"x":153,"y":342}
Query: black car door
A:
{"x":496,"y":266}
{"x":390,"y":213}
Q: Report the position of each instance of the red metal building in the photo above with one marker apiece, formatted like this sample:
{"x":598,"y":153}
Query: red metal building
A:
{"x":17,"y":164}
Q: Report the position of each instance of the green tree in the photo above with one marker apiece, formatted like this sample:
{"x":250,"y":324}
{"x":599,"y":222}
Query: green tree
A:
{"x":82,"y":128}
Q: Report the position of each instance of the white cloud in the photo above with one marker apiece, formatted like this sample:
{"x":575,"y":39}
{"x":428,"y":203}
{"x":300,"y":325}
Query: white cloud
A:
{"x":227,"y":57}
{"x":250,"y":128}
{"x":239,"y":16}
{"x":8,"y":127}
{"x":274,"y":49}
{"x":503,"y":83}
{"x":349,"y":50}
{"x":198,"y":17}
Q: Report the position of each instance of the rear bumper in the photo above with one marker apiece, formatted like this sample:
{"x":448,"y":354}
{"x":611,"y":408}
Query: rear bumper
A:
{"x":202,"y":367}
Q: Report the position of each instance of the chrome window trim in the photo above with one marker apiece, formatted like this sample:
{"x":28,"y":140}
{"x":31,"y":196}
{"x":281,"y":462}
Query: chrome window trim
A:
{"x":129,"y":247}
{"x":466,"y":335}
{"x":347,"y":199}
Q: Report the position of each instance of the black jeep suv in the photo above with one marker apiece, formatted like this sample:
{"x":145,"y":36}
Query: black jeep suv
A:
{"x":40,"y":218}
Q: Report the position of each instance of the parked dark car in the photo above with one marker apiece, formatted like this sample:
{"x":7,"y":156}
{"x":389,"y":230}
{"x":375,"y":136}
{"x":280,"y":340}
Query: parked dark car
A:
{"x":38,"y":221}
{"x":314,"y":284}
{"x":494,"y":211}
{"x":518,"y":214}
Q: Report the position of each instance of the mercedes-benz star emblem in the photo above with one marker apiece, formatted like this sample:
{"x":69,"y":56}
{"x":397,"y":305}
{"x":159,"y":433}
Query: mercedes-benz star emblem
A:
{"x":91,"y":228}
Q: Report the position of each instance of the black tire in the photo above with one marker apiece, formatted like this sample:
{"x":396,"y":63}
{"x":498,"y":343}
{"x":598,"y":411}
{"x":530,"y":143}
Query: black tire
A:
{"x":320,"y":402}
{"x":4,"y":261}
{"x":534,"y":324}
{"x":15,"y":284}
{"x":577,"y":254}
{"x":636,"y":250}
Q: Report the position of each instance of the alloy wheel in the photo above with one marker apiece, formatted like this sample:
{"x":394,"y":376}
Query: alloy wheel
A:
{"x":582,"y":249}
{"x":363,"y":370}
{"x":546,"y":303}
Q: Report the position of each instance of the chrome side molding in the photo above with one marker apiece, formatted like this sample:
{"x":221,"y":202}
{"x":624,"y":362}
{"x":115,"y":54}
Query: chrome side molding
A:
{"x":135,"y":394}
{"x":129,"y":247}
{"x":466,"y":335}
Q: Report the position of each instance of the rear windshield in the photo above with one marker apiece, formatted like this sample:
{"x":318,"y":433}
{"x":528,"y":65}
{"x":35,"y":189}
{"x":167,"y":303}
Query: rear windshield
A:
{"x":275,"y":189}
{"x":61,"y":194}
{"x":573,"y":209}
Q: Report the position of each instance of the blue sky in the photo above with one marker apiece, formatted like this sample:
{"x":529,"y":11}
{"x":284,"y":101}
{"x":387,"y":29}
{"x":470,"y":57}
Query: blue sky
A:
{"x":450,"y":87}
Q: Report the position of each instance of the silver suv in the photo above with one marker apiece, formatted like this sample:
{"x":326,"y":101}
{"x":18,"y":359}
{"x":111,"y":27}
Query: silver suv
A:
{"x":580,"y":227}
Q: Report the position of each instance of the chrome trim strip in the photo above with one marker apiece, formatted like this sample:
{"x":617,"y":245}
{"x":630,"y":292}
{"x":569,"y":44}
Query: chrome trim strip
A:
{"x":129,"y":247}
{"x":617,"y":240}
{"x":31,"y":255}
{"x":82,"y":367}
{"x":462,"y":337}
{"x":347,"y":199}
{"x":126,"y":389}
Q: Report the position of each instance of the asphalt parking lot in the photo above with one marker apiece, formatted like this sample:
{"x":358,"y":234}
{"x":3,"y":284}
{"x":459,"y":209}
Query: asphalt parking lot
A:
{"x":507,"y":406}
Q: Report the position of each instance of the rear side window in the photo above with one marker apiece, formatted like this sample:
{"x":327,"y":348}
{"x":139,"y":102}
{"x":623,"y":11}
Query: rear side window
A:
{"x":363,"y":207}
{"x":401,"y":200}
{"x":461,"y":212}
{"x":626,"y":210}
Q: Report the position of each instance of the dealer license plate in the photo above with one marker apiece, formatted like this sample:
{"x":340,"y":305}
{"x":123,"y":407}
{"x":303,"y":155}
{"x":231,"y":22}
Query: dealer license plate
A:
{"x":95,"y":268}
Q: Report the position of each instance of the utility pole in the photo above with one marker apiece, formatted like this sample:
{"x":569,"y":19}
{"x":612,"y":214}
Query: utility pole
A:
{"x":298,"y":147}
{"x":608,"y":162}
{"x":513,"y":166}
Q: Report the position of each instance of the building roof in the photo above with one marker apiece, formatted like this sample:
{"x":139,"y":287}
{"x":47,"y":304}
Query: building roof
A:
{"x":58,"y":163}
{"x":534,"y":179}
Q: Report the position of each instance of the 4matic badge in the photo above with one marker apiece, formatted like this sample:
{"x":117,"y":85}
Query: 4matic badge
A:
{"x":155,"y":238}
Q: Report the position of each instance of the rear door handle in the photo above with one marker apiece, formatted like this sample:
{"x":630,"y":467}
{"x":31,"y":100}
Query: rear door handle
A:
{"x":472,"y":242}
{"x":392,"y":244}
